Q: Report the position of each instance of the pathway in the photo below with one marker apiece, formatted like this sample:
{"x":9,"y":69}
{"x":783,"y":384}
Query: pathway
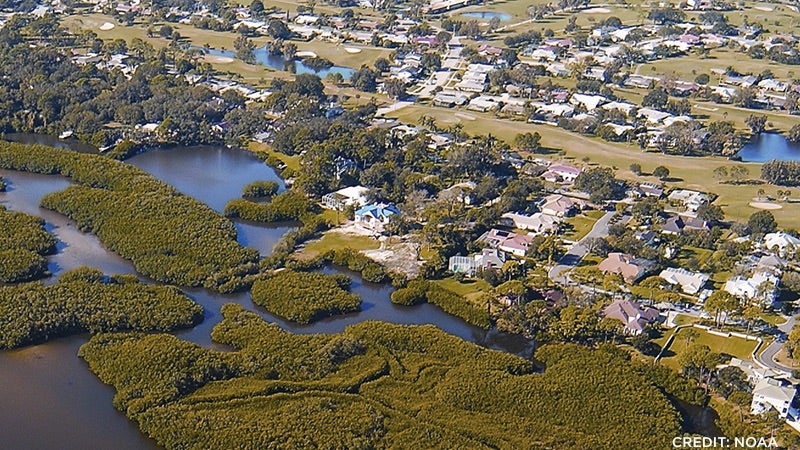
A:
{"x":767,"y":357}
{"x":578,"y":250}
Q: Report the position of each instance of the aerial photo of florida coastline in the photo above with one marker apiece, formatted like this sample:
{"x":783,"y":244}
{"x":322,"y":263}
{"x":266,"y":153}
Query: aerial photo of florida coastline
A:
{"x":399,"y":224}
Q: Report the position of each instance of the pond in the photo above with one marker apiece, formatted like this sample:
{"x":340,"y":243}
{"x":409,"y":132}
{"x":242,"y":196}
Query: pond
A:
{"x":264,"y":58}
{"x":768,"y":146}
{"x":51,"y":399}
{"x":487,"y":15}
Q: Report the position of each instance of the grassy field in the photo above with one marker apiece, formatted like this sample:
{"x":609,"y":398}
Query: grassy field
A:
{"x":334,"y":240}
{"x":581,"y":225}
{"x":292,"y":162}
{"x":731,"y":347}
{"x":471,"y":289}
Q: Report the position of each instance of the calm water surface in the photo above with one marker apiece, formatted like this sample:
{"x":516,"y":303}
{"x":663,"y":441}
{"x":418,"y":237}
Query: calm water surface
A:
{"x":768,"y":146}
{"x":52,"y":401}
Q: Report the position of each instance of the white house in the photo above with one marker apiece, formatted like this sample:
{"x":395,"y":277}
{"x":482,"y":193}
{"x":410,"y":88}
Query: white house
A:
{"x":783,"y":243}
{"x":771,"y":393}
{"x":561,"y":172}
{"x":537,"y":223}
{"x":690,"y":199}
{"x":489,"y":258}
{"x":690,"y":282}
{"x":754,"y":373}
{"x":349,"y":196}
{"x":762,"y":285}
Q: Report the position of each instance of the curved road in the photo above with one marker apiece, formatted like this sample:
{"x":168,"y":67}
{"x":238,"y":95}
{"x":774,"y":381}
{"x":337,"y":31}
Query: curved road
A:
{"x":767,"y":356}
{"x":578,"y":250}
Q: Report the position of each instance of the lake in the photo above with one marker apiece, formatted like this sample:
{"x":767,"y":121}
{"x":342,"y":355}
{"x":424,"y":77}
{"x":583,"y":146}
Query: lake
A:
{"x":264,"y":58}
{"x":52,"y":401}
{"x":768,"y":146}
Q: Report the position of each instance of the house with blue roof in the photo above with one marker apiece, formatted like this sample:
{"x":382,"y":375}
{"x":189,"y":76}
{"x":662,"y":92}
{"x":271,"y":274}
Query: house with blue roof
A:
{"x":375,"y":216}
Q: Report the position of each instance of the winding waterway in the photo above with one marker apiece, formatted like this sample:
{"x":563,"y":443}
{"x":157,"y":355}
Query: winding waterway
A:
{"x":52,"y":401}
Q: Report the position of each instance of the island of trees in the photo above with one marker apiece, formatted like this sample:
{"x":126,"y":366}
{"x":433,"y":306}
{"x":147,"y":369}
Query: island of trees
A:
{"x":86,"y":300}
{"x":23,"y":244}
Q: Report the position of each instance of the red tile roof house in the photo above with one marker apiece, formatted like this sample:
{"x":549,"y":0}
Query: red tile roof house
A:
{"x":516,"y":244}
{"x":633,"y":316}
{"x":626,"y":265}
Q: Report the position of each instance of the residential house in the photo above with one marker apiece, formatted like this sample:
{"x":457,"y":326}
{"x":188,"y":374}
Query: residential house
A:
{"x":690,"y":199}
{"x":375,"y":216}
{"x":679,"y":224}
{"x":537,"y":223}
{"x":770,"y":393}
{"x":559,"y":205}
{"x":349,"y":196}
{"x":626,"y":265}
{"x":783,"y":243}
{"x":633,"y":316}
{"x":489,"y":258}
{"x":561,"y":173}
{"x":754,"y":373}
{"x":761,"y":286}
{"x":507,"y":241}
{"x":651,"y":190}
{"x":690,"y":282}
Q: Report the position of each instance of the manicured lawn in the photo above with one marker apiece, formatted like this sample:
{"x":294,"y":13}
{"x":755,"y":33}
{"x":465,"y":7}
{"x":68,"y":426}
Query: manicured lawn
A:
{"x":334,"y":240}
{"x":581,"y":226}
{"x":732,"y":346}
{"x":292,"y":162}
{"x":688,"y":253}
{"x":773,"y":318}
{"x":470,"y":289}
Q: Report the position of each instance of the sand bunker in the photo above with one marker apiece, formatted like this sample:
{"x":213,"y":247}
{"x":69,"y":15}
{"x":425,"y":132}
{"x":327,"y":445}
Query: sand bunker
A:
{"x":763,"y":8}
{"x":596,"y":11}
{"x":107,"y":26}
{"x":214,"y":59}
{"x":765,"y":205}
{"x":352,"y":50}
{"x":306,"y":54}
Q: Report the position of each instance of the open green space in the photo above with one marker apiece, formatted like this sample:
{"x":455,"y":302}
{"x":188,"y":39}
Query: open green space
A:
{"x":731,"y":347}
{"x":336,"y":240}
{"x":581,"y":225}
{"x":469,"y":289}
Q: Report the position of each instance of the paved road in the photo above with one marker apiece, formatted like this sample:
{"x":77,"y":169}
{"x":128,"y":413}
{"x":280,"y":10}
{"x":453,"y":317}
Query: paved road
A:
{"x":767,"y":356}
{"x":578,"y":250}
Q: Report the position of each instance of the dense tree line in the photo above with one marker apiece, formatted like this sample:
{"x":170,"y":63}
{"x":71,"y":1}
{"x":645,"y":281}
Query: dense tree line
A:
{"x":421,"y":291}
{"x":259,"y":189}
{"x":168,"y":236}
{"x":781,"y":173}
{"x":85,"y":300}
{"x":286,"y":206}
{"x":376,"y":385}
{"x":23,"y":244}
{"x":305,"y":297}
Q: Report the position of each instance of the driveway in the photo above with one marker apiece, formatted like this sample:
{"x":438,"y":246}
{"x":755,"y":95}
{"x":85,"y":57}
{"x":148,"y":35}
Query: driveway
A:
{"x":578,"y":250}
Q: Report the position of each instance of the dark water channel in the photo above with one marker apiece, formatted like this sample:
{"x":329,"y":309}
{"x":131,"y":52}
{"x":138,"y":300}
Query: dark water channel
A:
{"x":52,"y":401}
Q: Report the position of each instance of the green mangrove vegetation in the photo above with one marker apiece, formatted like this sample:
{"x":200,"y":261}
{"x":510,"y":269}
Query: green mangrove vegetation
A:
{"x":85,"y":300}
{"x":23,"y":242}
{"x":421,"y":291}
{"x":260,"y":189}
{"x":304,"y":297}
{"x":286,"y":206}
{"x":377,"y":385}
{"x":168,"y":236}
